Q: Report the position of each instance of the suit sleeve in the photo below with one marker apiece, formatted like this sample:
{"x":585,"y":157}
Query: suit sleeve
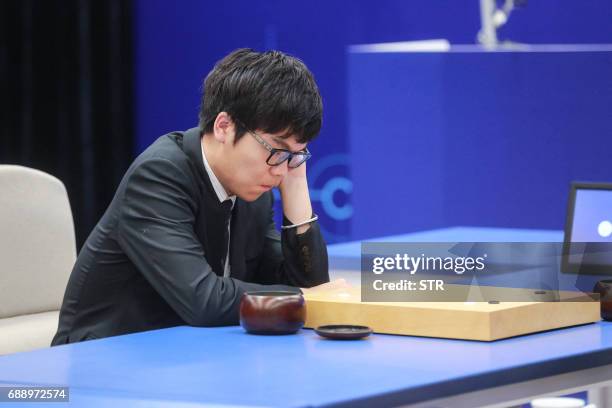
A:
{"x":156,"y":231}
{"x":294,"y":259}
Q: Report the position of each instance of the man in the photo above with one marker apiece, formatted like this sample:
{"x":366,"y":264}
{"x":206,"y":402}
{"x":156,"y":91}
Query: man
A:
{"x":190,"y":228}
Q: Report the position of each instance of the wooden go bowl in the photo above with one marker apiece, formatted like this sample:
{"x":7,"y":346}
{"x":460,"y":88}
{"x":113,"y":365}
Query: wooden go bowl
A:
{"x":272,"y":312}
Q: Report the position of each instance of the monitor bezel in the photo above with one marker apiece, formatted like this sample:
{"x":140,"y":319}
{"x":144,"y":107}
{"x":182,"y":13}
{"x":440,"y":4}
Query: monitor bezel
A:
{"x":566,"y":266}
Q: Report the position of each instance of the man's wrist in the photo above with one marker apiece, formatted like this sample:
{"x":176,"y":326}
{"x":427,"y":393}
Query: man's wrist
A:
{"x":296,"y":202}
{"x":301,"y":223}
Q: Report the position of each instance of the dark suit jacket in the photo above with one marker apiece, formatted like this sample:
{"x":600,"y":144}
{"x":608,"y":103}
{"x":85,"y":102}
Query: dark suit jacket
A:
{"x":155,"y":258}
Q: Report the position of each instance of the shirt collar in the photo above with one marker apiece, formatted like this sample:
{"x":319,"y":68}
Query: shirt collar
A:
{"x":221,"y":193}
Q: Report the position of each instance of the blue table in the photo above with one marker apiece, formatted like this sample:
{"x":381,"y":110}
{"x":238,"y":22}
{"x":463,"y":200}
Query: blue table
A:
{"x":226,"y":366}
{"x":186,"y":366}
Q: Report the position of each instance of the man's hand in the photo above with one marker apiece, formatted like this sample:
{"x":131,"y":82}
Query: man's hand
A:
{"x":332,"y":286}
{"x":295,"y":197}
{"x":298,"y":174}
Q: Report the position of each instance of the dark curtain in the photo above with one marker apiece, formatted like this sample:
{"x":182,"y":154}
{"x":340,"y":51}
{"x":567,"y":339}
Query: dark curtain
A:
{"x":66,"y":96}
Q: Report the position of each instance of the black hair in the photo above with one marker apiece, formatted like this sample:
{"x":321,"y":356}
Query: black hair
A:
{"x":270,"y":91}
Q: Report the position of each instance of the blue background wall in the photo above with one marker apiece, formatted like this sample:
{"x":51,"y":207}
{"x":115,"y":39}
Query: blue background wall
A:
{"x":177,"y":43}
{"x":476,"y":138}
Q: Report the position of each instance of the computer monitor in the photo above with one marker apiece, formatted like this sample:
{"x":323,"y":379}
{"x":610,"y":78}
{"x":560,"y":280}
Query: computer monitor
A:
{"x":587,"y":244}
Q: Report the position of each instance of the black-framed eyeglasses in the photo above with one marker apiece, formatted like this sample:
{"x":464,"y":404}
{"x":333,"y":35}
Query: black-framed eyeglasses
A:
{"x":279,"y":156}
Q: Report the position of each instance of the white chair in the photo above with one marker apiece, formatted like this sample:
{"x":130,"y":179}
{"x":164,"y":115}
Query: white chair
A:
{"x":37,"y":252}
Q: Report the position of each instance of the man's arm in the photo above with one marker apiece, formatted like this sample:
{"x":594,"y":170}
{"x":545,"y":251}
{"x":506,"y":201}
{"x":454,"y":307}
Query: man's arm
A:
{"x":298,"y":256}
{"x":296,"y":198}
{"x":156,"y":231}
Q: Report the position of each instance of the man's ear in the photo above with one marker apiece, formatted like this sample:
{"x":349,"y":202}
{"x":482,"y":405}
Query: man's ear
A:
{"x":224,"y":129}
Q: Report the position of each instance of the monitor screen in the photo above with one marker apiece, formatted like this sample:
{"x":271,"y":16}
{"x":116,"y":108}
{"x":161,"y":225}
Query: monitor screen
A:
{"x":588,"y":230}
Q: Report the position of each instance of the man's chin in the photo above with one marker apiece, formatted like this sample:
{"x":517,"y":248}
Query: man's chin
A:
{"x":250,"y":196}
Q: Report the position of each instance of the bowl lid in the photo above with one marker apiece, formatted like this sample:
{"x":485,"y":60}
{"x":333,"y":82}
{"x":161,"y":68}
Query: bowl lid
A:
{"x":343,"y":331}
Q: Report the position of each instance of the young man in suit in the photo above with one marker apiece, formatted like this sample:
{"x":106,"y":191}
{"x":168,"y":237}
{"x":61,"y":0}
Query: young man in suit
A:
{"x":190,"y":228}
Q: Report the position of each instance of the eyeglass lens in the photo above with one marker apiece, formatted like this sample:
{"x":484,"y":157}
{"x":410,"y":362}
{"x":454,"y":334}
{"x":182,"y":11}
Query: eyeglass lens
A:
{"x":279,"y":157}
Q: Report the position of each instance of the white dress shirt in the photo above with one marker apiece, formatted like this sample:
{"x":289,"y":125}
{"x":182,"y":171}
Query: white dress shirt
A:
{"x":222,"y":196}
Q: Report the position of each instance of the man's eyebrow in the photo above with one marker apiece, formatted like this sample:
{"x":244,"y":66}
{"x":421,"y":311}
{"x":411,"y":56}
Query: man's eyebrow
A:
{"x":281,"y":142}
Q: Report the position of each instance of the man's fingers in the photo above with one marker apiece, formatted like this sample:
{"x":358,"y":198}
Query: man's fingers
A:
{"x":339,"y":284}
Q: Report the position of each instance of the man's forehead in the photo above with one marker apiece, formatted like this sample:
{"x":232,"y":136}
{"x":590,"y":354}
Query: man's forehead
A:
{"x":287,"y":141}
